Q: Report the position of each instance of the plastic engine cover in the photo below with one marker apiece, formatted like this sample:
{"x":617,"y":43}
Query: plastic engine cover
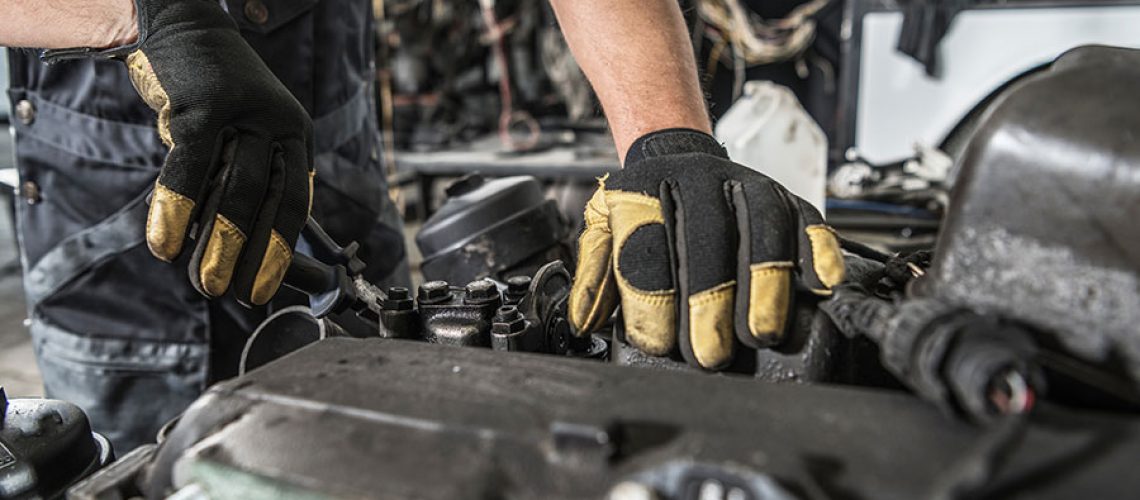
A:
{"x":492,"y":229}
{"x":356,"y":418}
{"x":45,"y":446}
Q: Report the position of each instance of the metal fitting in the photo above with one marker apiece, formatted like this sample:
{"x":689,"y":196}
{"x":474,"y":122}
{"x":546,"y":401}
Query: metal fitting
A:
{"x":434,"y":292}
{"x":508,"y":320}
{"x":481,"y":291}
{"x":517,"y":288}
{"x":398,"y":299}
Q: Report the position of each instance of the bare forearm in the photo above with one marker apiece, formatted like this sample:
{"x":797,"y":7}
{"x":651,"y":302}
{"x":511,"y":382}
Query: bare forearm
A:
{"x":67,"y":23}
{"x":639,"y":59}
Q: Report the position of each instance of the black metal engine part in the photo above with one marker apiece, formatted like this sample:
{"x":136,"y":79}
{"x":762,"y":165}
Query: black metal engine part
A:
{"x":352,"y":418}
{"x":493,"y":228}
{"x":1043,"y":225}
{"x":529,"y":315}
{"x":1034,"y":279}
{"x":1023,"y":286}
{"x":45,"y":447}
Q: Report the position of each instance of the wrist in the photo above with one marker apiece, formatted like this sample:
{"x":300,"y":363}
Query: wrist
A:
{"x":673,"y":141}
{"x":123,"y":28}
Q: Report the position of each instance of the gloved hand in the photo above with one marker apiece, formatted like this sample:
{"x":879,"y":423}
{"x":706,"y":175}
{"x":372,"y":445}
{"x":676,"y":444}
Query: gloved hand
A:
{"x":699,"y":250}
{"x":238,"y":178}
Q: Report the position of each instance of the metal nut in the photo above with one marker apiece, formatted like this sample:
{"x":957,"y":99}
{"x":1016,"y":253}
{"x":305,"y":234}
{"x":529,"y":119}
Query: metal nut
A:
{"x":434,"y":291}
{"x":482,"y":291}
{"x":508,"y":320}
{"x":398,"y":299}
{"x":518,"y":285}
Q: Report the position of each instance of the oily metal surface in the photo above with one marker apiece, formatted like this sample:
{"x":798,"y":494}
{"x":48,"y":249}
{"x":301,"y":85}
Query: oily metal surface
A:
{"x":1043,"y":225}
{"x":397,"y":419}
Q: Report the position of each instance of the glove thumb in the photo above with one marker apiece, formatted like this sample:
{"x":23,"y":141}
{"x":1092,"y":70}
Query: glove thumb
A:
{"x":594,"y":295}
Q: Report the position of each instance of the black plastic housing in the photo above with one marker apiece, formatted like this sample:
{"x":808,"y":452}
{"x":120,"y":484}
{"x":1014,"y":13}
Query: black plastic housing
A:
{"x":492,"y":229}
{"x":46,"y":446}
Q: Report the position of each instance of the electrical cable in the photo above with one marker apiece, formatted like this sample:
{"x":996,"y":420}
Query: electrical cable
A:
{"x":864,"y":251}
{"x":508,"y":117}
{"x":760,"y":41}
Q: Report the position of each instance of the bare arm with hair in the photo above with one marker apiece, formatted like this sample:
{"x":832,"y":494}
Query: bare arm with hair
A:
{"x":639,"y":59}
{"x":67,"y":23}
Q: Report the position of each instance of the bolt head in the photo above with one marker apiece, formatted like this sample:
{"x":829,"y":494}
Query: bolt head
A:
{"x":508,"y":327}
{"x":434,"y":291}
{"x":507,"y":320}
{"x":398,"y":299}
{"x":518,"y":285}
{"x":507,"y":313}
{"x":482,"y":290}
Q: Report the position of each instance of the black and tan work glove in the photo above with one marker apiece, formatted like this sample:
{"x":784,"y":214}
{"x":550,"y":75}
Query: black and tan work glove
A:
{"x":699,"y":251}
{"x":238,"y":177}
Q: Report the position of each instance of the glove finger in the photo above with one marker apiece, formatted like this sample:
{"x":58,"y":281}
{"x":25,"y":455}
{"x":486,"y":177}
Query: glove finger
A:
{"x":181,"y":184}
{"x":764,"y":262}
{"x":820,"y":258}
{"x":228,"y":218}
{"x":702,"y":237}
{"x":282,"y":216}
{"x":594,"y":295}
{"x":644,"y":271}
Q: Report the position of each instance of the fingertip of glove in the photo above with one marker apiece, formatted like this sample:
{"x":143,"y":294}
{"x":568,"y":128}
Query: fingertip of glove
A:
{"x":710,"y":335}
{"x":827,"y":257}
{"x":769,"y":300}
{"x":167,"y":221}
{"x":272,"y":270}
{"x":590,"y":304}
{"x":216,"y":267}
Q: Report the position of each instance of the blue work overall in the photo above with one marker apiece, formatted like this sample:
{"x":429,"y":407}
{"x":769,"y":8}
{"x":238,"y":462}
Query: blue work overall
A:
{"x":116,"y":331}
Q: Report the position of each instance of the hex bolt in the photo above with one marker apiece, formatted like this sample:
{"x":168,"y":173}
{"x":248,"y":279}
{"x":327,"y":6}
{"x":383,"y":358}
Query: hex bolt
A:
{"x":508,"y":320}
{"x":434,"y":292}
{"x":517,"y":288}
{"x":481,"y":291}
{"x":398,"y":299}
{"x":518,"y":285}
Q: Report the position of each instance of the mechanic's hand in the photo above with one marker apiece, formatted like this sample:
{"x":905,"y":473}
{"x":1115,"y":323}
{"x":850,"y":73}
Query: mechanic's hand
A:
{"x":238,"y":178}
{"x":682,"y":222}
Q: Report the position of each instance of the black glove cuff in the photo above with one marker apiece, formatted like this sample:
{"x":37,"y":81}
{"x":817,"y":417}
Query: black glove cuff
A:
{"x":52,"y":56}
{"x":673,"y":141}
